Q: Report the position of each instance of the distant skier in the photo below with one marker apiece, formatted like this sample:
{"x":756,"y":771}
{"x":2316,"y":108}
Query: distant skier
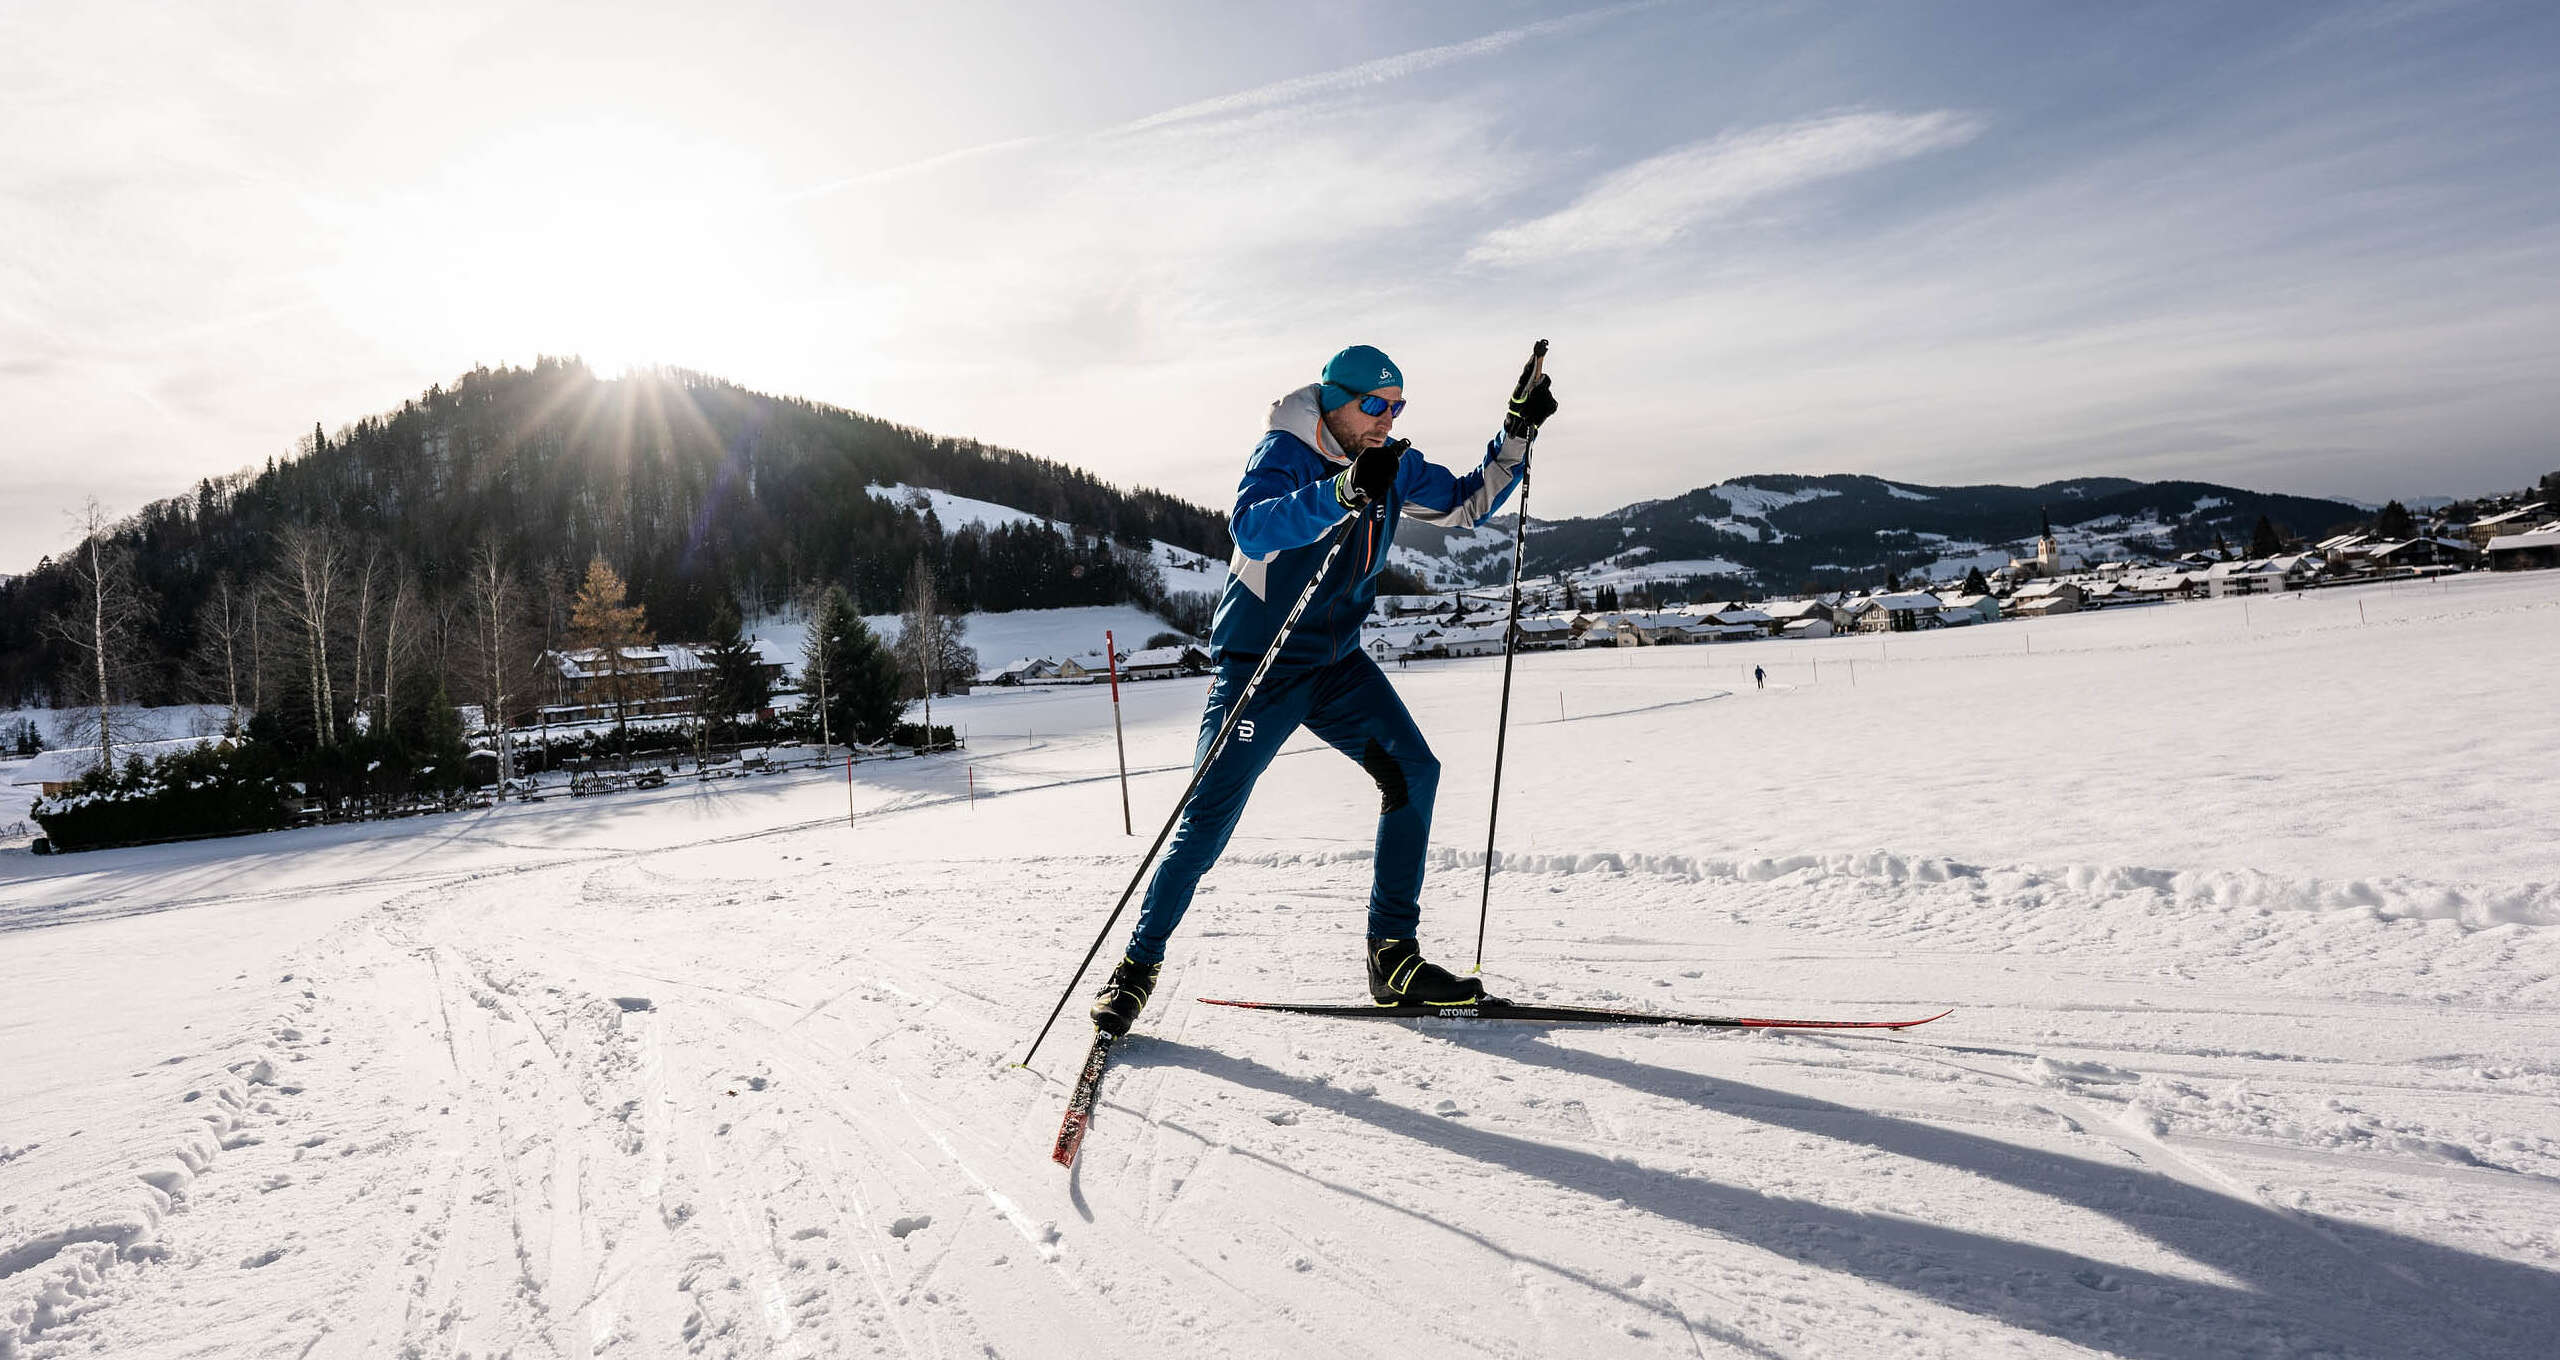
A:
{"x":1759,"y":678}
{"x":1324,"y":458}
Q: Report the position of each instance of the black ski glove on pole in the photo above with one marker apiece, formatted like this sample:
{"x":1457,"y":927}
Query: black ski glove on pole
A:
{"x":1372,"y":475}
{"x":1530,"y":411}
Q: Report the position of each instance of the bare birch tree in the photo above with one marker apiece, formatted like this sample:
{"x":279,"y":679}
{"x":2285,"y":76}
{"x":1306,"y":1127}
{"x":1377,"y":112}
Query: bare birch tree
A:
{"x":310,"y":561}
{"x":103,"y":630}
{"x":377,"y":717}
{"x":499,"y":632}
{"x":224,"y":655}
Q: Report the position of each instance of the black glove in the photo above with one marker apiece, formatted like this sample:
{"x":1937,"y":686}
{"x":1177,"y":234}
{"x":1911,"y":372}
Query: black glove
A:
{"x":1531,"y":411}
{"x":1372,"y":475}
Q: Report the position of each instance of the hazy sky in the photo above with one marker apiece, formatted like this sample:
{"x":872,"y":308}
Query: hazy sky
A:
{"x":2309,"y":248}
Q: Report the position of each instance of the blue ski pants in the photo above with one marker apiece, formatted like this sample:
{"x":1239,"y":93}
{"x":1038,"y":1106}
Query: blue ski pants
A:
{"x":1349,"y":704}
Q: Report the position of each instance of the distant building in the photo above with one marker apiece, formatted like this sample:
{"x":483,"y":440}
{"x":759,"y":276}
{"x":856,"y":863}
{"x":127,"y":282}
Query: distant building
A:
{"x":1164,"y":663}
{"x":2512,"y":523}
{"x":2048,"y":561}
{"x":1982,"y":608}
{"x":1903,"y":612}
{"x":2531,"y":551}
{"x":1785,"y":614}
{"x":2045,"y":598}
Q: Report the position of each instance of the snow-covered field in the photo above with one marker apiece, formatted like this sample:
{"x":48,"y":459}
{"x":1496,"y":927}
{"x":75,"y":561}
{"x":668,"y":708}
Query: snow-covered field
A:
{"x":2249,"y":911}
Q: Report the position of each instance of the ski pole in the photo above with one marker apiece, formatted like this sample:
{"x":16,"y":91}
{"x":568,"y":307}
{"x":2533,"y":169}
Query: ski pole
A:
{"x":1341,"y":535}
{"x":1502,"y":724}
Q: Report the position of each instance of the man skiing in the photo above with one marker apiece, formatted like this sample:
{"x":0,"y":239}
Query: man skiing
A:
{"x":1759,"y":678}
{"x":1325,"y":458}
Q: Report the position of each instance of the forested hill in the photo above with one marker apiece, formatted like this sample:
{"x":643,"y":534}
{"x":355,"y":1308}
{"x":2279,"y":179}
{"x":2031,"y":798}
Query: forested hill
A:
{"x":693,"y":488}
{"x":1777,"y":532}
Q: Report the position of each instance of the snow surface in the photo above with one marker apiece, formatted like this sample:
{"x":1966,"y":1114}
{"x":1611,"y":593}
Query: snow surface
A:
{"x":1184,"y":570}
{"x":1756,"y":502}
{"x":2250,"y":911}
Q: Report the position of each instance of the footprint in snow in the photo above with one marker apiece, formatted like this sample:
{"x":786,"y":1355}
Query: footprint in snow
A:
{"x":910,"y":1223}
{"x":1282,"y":1117}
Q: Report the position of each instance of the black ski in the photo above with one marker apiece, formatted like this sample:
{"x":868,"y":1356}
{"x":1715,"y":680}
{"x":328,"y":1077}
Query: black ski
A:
{"x":1494,"y":1008}
{"x":1080,"y":1102}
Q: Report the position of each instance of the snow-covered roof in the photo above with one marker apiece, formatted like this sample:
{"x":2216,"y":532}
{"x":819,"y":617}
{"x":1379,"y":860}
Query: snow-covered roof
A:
{"x":1901,"y":600}
{"x":2040,"y":589}
{"x":1157,"y":656}
{"x":1791,"y":609}
{"x":2520,"y":512}
{"x":2545,"y":537}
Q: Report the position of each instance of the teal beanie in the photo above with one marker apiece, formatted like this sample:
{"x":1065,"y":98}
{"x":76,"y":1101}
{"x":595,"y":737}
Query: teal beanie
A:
{"x":1361,"y":368}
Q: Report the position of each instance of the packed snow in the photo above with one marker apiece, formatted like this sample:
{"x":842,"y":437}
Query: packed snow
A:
{"x":2249,"y":912}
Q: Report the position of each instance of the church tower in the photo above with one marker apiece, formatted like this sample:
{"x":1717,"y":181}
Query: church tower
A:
{"x":2048,"y":552}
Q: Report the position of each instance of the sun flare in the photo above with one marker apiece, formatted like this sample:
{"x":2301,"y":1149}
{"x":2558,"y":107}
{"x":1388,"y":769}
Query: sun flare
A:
{"x":624,"y":243}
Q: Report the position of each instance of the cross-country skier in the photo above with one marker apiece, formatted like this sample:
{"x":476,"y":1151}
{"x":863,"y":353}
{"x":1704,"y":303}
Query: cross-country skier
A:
{"x":1325,"y":458}
{"x":1759,"y":678}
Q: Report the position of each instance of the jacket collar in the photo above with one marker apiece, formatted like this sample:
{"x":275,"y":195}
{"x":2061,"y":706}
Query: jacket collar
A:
{"x":1298,"y":414}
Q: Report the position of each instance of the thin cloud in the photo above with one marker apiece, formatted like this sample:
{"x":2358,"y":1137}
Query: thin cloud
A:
{"x":1649,"y":203}
{"x":1382,"y":71}
{"x":1278,"y":94}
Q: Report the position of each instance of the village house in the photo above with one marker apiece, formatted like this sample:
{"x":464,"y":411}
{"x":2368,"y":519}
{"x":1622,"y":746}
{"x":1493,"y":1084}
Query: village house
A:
{"x":1164,"y":663}
{"x":1484,"y":639}
{"x":2530,"y":551}
{"x":1548,"y":633}
{"x":1902,"y":612}
{"x":2043,"y":598}
{"x":1022,"y":671}
{"x":2512,"y":523}
{"x":1972,"y":609}
{"x":1785,"y":614}
{"x":2416,"y":552}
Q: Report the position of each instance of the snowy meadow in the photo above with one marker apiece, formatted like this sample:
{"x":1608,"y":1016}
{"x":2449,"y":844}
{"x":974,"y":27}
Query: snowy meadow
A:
{"x":2248,"y":911}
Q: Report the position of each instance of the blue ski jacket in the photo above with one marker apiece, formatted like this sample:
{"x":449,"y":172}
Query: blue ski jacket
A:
{"x":1286,"y":505}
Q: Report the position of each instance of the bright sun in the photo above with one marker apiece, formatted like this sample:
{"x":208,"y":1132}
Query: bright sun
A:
{"x":628,"y":244}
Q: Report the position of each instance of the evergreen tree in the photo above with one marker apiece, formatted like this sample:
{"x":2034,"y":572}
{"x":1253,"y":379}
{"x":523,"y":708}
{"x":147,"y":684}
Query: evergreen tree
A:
{"x":602,"y":622}
{"x":851,"y":677}
{"x":2394,"y":522}
{"x":2264,"y":541}
{"x":2221,"y":548}
{"x":1974,"y":584}
{"x":737,"y":682}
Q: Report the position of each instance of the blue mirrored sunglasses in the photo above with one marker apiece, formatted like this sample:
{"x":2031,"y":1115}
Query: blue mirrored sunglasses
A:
{"x":1372,"y":405}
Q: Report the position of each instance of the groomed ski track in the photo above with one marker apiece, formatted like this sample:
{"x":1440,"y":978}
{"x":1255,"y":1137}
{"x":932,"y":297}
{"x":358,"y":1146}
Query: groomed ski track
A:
{"x":710,"y":1072}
